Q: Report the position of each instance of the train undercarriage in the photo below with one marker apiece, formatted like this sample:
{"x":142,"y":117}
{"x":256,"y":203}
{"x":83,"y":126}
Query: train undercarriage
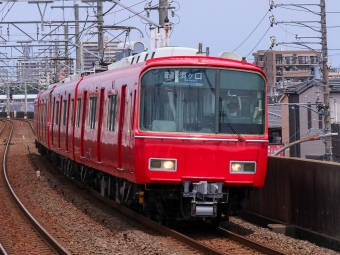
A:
{"x":163,"y":203}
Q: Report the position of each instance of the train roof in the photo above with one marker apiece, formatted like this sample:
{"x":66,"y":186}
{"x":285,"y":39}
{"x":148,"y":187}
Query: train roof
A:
{"x":29,"y":96}
{"x":166,"y":52}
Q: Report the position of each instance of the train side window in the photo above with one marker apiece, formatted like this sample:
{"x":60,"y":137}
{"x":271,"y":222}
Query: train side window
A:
{"x":111,"y":113}
{"x":64,"y":112}
{"x":78,"y":112}
{"x":92,"y":112}
{"x":56,"y":112}
{"x":129,"y":111}
{"x":71,"y":112}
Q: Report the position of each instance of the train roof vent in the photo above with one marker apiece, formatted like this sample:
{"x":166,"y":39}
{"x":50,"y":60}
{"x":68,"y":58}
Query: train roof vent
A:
{"x":230,"y":55}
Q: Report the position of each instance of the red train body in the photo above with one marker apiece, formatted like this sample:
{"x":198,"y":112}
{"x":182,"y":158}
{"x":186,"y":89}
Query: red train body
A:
{"x":159,"y":134}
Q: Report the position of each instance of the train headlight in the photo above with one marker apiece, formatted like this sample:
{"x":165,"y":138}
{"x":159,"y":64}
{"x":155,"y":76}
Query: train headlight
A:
{"x":236,"y":167}
{"x":162,"y":164}
{"x":168,"y":164}
{"x":243,"y":167}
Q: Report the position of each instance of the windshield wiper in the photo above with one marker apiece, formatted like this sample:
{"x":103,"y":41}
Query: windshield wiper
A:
{"x":233,"y":129}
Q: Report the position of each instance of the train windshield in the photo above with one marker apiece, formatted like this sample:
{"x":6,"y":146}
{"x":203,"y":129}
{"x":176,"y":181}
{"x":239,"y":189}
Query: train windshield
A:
{"x":198,"y":100}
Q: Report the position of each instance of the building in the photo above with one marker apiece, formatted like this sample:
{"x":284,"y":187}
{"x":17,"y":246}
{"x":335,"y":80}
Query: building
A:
{"x":300,"y":118}
{"x":113,"y":51}
{"x":285,"y":68}
{"x":31,"y":71}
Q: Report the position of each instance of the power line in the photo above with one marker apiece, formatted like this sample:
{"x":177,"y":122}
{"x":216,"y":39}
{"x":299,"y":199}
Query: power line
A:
{"x":252,"y":31}
{"x":259,"y":41}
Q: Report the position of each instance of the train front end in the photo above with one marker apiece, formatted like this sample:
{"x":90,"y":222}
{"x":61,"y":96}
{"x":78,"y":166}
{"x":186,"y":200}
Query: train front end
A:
{"x":202,"y":138}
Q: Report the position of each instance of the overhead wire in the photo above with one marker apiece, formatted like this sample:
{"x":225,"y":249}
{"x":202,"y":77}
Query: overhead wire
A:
{"x":259,"y":41}
{"x":251,"y":32}
{"x":7,"y":11}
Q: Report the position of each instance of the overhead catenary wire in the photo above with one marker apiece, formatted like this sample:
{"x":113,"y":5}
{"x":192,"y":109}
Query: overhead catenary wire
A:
{"x":259,"y":41}
{"x":251,"y":32}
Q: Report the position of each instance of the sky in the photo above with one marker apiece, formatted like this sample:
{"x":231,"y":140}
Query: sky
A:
{"x":241,"y":26}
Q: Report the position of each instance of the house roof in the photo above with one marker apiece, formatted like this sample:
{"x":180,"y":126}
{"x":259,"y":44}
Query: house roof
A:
{"x":334,"y":84}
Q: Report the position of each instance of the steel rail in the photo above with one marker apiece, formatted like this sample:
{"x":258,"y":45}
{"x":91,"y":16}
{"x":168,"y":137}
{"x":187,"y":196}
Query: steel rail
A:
{"x":180,"y":237}
{"x":53,"y":243}
{"x":154,"y":225}
{"x":2,"y":250}
{"x":246,"y":242}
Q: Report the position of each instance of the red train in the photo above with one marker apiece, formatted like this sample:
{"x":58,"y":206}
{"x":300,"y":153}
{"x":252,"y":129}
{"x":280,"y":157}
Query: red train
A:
{"x":181,"y":137}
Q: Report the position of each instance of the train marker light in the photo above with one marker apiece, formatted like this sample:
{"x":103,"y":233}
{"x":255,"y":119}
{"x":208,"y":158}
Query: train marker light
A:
{"x":155,"y":164}
{"x":249,"y":167}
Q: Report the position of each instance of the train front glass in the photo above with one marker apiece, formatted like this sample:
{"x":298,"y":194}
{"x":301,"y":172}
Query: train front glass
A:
{"x":203,"y":100}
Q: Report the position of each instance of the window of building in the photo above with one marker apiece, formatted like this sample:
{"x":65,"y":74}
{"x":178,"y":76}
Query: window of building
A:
{"x":78,"y":112}
{"x":313,"y":59}
{"x":291,"y":60}
{"x":302,"y":59}
{"x":309,"y":115}
{"x":279,"y":60}
{"x":92,"y":112}
{"x":111,"y":113}
{"x":320,"y":121}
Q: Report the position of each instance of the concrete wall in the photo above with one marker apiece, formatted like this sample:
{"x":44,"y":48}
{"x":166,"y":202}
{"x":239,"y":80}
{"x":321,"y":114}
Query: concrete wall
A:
{"x":301,"y":192}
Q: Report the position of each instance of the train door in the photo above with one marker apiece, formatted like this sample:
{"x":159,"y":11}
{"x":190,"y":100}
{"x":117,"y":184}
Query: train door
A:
{"x":39,"y":120}
{"x":130,"y":133}
{"x":100,"y":123}
{"x":59,"y":109}
{"x":45,"y":122}
{"x":67,"y":113}
{"x":52,"y":122}
{"x":82,"y":132}
{"x":70,"y":123}
{"x":121,"y":127}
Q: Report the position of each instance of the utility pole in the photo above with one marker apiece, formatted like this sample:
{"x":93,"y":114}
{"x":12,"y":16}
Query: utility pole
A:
{"x":323,"y":108}
{"x":77,"y":40}
{"x":163,"y":11}
{"x":67,"y":62}
{"x":100,"y":30}
{"x":325,"y":80}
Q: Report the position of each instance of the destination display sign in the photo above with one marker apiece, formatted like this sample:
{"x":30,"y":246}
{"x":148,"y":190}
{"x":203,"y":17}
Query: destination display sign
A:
{"x":182,"y":77}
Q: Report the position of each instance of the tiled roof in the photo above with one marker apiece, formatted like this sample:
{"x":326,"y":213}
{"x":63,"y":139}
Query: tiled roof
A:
{"x":334,"y":84}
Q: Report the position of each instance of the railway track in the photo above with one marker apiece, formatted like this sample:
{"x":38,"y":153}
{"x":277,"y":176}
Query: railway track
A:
{"x":74,"y":215}
{"x":20,"y":232}
{"x":239,"y":244}
{"x":182,"y":243}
